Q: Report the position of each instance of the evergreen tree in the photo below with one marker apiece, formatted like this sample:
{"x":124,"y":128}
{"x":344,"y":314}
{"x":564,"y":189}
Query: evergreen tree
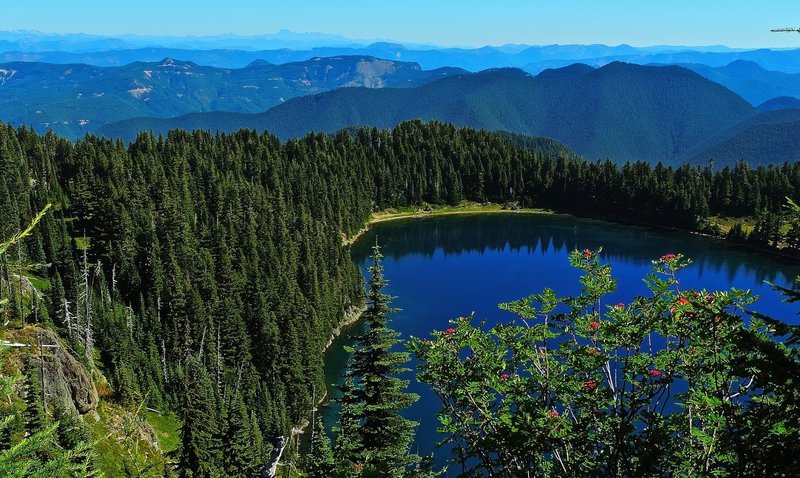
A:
{"x":71,"y":434}
{"x":793,"y":218}
{"x":347,"y":450}
{"x":238,"y":453}
{"x":383,"y":434}
{"x":319,"y":463}
{"x":199,"y":439}
{"x":737,"y":233}
{"x":767,"y":230}
{"x":34,"y":415}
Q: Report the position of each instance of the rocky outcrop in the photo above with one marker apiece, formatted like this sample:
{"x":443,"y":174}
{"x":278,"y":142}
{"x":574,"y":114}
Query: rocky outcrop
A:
{"x":65,"y":381}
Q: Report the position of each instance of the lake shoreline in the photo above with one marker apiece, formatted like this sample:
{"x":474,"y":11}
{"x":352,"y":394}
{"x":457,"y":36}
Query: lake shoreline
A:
{"x":463,"y":209}
{"x":467,"y":209}
{"x":348,"y":321}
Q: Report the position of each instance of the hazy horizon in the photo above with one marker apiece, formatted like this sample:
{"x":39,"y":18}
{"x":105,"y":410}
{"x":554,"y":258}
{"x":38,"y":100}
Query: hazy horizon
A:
{"x":447,"y":23}
{"x":335,"y":39}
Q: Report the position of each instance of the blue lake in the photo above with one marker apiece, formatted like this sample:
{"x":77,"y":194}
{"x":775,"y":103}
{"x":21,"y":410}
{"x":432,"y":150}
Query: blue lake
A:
{"x":440,"y":268}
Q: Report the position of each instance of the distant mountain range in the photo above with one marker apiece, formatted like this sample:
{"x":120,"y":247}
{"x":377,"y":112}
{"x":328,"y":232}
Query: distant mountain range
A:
{"x":751,"y":81}
{"x":786,"y":61}
{"x":76,"y":99}
{"x":756,"y":75}
{"x":597,"y":106}
{"x":31,"y":41}
{"x":532,"y":58}
{"x":621,"y":111}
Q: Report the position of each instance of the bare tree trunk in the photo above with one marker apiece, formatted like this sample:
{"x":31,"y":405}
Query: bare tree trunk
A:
{"x":202,"y":344}
{"x":87,"y":297}
{"x":67,"y":317}
{"x":164,"y":360}
{"x":41,"y":372}
{"x":19,"y":285}
{"x":271,"y":470}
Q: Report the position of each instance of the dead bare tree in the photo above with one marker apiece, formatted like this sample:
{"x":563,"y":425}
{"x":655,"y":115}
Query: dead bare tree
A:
{"x":85,"y":299}
{"x":66,"y":316}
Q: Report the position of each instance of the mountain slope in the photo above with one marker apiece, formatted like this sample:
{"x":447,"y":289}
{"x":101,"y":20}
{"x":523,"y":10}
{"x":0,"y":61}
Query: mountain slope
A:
{"x":750,"y":81}
{"x":625,"y":112}
{"x":76,"y":99}
{"x":771,"y":137}
{"x":787,"y":61}
{"x":571,"y":71}
{"x":780,"y":103}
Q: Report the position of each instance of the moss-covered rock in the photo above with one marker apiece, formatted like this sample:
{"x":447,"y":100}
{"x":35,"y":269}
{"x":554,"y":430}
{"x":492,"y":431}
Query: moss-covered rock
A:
{"x":67,"y":384}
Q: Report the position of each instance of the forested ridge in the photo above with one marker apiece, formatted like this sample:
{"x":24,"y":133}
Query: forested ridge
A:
{"x":620,"y":111}
{"x":204,"y":273}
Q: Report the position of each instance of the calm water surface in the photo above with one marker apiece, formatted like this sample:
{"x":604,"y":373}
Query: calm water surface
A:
{"x":441,"y":268}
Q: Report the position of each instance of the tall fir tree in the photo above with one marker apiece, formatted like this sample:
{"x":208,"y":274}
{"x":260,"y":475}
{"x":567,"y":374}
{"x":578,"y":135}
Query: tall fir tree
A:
{"x":238,"y":454}
{"x":34,"y":416}
{"x":347,"y":450}
{"x":383,"y":436}
{"x":199,"y":439}
{"x":319,"y":463}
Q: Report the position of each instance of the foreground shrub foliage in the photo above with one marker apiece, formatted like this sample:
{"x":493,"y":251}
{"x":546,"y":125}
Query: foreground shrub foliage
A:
{"x":677,"y":383}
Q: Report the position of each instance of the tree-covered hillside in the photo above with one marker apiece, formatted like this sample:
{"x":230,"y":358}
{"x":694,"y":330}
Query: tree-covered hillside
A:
{"x":621,"y":111}
{"x":745,"y":78}
{"x":770,"y":137}
{"x":780,"y":103}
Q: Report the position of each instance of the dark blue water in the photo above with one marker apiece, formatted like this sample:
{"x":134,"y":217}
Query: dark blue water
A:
{"x":445,"y":267}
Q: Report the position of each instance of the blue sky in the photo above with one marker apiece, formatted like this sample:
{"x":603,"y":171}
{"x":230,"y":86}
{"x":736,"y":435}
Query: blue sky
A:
{"x":737,"y":23}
